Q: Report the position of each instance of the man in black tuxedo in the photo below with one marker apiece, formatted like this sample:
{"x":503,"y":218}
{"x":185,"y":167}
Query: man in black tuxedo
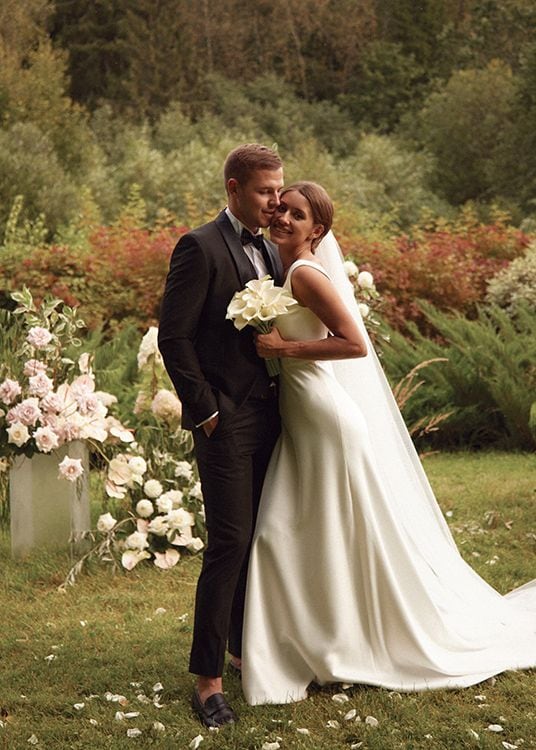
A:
{"x":229,"y":402}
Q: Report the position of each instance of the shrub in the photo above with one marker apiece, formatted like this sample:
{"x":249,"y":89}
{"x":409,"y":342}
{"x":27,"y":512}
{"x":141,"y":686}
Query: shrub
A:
{"x":449,"y":266}
{"x":515,"y":283}
{"x":488,"y":381}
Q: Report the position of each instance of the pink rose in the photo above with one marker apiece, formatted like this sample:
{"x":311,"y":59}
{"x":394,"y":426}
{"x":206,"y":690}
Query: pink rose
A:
{"x":46,"y":439}
{"x":39,"y":337}
{"x":71,"y":468}
{"x":28,"y":411}
{"x":9,"y":391}
{"x":33,"y":367}
{"x":40,"y":385}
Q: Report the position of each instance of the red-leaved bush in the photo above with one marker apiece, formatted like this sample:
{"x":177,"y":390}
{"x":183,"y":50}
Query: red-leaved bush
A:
{"x":450,"y":269}
{"x":119,"y":279}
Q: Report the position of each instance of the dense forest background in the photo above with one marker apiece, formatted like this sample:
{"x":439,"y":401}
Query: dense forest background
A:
{"x":402,"y":109}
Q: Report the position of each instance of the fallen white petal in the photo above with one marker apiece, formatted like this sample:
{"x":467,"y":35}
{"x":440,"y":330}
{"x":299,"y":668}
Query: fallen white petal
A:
{"x":50,"y":657}
{"x":194,"y":744}
{"x":352,"y":713}
{"x":480,"y":698}
{"x":33,"y":740}
{"x":79,"y":706}
{"x":356,"y":745}
{"x":158,"y":726}
{"x":271,"y":746}
{"x":158,"y":687}
{"x":119,"y":716}
{"x":332,"y":724}
{"x":428,"y":736}
{"x":302,"y":730}
{"x":134,"y":732}
{"x":83,"y":623}
{"x":132,"y":714}
{"x":494,"y":728}
{"x":372,"y":721}
{"x":160,"y":611}
{"x":136,"y":684}
{"x":94,"y":722}
{"x":509,"y":746}
{"x":340,"y":698}
{"x":143,"y":698}
{"x":474,"y":734}
{"x":346,"y":685}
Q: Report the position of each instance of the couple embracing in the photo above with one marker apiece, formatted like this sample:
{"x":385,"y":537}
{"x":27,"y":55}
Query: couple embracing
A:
{"x":328,"y":558}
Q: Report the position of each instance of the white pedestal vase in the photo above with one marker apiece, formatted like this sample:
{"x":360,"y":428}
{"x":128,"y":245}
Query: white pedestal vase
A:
{"x":47,"y":511}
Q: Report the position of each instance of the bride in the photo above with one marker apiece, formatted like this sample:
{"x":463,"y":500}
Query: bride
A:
{"x":354,"y":576}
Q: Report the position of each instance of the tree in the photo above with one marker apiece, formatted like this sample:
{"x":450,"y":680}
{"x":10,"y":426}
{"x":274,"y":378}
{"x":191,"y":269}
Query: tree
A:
{"x":462,"y":124}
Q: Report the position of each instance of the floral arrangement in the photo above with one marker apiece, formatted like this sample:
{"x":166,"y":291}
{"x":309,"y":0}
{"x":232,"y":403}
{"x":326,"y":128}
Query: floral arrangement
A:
{"x":48,"y":399}
{"x":258,"y":305}
{"x":153,"y":481}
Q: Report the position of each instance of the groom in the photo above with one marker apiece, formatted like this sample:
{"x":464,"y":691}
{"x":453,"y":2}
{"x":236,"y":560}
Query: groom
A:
{"x":228,"y":400}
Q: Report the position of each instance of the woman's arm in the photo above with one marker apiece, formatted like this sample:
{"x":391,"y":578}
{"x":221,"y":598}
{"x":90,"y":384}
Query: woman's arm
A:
{"x":312,"y":289}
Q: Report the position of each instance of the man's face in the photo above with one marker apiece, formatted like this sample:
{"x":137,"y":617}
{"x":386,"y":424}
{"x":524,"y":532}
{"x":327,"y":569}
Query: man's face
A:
{"x":255,"y":201}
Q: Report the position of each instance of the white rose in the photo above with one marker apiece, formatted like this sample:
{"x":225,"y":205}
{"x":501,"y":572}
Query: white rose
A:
{"x":164,"y":503}
{"x":46,"y":439}
{"x":137,"y":540}
{"x":9,"y":390}
{"x":364,"y":309}
{"x":365,"y":280}
{"x":350,"y":268}
{"x":180,"y":519}
{"x":144,"y":508}
{"x":18,"y":434}
{"x":153,"y":488}
{"x":106,"y":523}
{"x":165,"y":405}
{"x":183,"y":469}
{"x":71,"y":468}
{"x":137,"y":464}
{"x":39,"y":337}
{"x":175,"y":496}
{"x":158,"y":526}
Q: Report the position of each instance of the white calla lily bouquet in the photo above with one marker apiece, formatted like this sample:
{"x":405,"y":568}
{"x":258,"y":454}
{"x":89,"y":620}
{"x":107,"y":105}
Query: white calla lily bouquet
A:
{"x":258,"y":305}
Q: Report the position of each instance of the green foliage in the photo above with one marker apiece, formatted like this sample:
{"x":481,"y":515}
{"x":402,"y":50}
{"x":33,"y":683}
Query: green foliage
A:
{"x":488,"y":381}
{"x":516,"y":283}
{"x":462,"y":125}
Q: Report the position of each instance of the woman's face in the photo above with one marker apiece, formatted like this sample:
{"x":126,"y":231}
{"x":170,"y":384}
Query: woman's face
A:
{"x":293,"y":225}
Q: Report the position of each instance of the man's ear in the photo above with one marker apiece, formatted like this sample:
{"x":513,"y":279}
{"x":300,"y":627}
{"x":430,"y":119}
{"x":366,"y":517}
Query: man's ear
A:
{"x":232,"y":186}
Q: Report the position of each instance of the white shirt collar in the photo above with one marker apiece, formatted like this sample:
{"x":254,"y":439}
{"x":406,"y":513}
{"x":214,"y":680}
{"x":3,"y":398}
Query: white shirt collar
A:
{"x":236,"y":223}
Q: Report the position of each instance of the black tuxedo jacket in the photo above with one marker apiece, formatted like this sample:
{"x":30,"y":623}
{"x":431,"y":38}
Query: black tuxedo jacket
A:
{"x":213,"y":366}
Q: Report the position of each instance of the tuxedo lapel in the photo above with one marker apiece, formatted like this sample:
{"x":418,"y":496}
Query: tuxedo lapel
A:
{"x":244,"y":267}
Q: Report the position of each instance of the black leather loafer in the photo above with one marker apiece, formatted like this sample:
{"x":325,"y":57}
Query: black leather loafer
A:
{"x":215,"y":711}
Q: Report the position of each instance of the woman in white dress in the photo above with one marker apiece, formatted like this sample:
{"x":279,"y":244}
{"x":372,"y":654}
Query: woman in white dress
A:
{"x":354,"y":576}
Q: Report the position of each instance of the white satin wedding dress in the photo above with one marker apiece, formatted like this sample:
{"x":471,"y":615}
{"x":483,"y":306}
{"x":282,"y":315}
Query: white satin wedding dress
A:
{"x":354,"y":575}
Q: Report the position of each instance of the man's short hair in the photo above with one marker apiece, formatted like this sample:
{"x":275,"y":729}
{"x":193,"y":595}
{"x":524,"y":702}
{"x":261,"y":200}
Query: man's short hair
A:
{"x":248,"y":158}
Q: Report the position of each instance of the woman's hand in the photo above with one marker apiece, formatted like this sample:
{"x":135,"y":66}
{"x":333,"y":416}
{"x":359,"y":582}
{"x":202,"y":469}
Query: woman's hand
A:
{"x":270,"y":345}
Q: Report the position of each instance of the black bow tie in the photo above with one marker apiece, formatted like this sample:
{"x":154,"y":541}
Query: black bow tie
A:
{"x":246,"y":238}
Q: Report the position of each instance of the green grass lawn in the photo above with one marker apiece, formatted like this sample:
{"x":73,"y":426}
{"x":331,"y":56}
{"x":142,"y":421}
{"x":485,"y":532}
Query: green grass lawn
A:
{"x":63,"y":655}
